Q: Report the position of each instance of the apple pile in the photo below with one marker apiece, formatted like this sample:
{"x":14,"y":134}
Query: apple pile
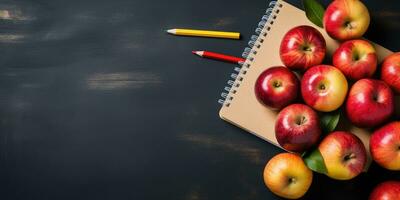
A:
{"x":304,"y":88}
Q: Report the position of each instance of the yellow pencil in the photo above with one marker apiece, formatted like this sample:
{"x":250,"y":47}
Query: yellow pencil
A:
{"x":204,"y":33}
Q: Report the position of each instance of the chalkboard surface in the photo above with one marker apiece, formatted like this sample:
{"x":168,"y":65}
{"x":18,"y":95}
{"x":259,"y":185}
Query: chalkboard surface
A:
{"x":98,"y":102}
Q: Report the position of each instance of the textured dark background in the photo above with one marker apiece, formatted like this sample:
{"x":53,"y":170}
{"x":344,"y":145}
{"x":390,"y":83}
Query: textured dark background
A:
{"x":98,"y":102}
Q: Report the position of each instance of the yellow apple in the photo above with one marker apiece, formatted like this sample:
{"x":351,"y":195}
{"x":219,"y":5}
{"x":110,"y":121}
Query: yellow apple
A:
{"x":324,"y":88}
{"x":287,"y":176}
{"x":344,"y":155}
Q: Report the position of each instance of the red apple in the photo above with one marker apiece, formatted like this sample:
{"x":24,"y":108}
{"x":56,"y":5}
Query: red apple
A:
{"x":356,"y":59}
{"x":384,"y":145}
{"x":302,"y":47}
{"x":346,"y":19}
{"x":324,"y":88}
{"x":277,"y":87}
{"x":390,"y":72}
{"x":297,"y":128}
{"x":287,"y":176}
{"x":344,"y":155}
{"x":370,"y":103}
{"x":389,"y":190}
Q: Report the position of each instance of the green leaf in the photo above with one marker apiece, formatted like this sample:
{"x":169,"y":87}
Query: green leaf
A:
{"x":329,"y":121}
{"x":315,"y":161}
{"x":314,"y":12}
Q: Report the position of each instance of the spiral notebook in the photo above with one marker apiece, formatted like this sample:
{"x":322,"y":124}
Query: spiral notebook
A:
{"x":239,"y":104}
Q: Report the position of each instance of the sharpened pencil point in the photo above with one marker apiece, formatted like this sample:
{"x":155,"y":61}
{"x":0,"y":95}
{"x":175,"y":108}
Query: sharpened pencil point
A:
{"x":199,"y":53}
{"x":171,"y":31}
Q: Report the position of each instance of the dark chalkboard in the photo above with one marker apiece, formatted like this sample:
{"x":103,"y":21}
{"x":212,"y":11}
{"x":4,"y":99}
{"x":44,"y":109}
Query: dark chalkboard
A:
{"x":98,"y":102}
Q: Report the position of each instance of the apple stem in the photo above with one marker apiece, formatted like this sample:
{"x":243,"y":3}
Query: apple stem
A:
{"x":277,"y":84}
{"x":301,"y":120}
{"x":291,"y":180}
{"x":356,"y":57}
{"x":306,"y":49}
{"x":349,"y":25}
{"x":349,"y":156}
{"x":375,"y":97}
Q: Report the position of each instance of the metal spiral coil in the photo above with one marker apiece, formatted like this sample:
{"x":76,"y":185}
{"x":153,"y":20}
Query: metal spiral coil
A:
{"x":253,"y":45}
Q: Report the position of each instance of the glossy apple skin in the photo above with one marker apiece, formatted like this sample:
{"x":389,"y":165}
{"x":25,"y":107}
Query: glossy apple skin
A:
{"x":297,"y":128}
{"x":277,"y":87}
{"x":370,"y":103}
{"x":346,"y":19}
{"x":344,"y":155}
{"x":302,"y":47}
{"x":384,"y":146}
{"x":324,"y":88}
{"x":390,"y":71}
{"x":356,"y":59}
{"x":287,"y":176}
{"x":388,"y":190}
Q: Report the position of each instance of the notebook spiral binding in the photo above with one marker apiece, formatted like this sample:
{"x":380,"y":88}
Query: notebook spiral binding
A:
{"x":255,"y":43}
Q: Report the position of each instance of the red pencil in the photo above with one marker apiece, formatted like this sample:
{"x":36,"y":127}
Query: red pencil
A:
{"x":218,"y":56}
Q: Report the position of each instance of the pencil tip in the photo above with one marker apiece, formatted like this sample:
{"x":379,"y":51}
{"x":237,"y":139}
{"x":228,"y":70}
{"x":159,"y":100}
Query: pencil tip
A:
{"x":199,"y":53}
{"x":171,"y":31}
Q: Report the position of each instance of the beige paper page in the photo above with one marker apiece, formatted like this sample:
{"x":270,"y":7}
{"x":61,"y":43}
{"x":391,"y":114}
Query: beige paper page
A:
{"x":244,"y":110}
